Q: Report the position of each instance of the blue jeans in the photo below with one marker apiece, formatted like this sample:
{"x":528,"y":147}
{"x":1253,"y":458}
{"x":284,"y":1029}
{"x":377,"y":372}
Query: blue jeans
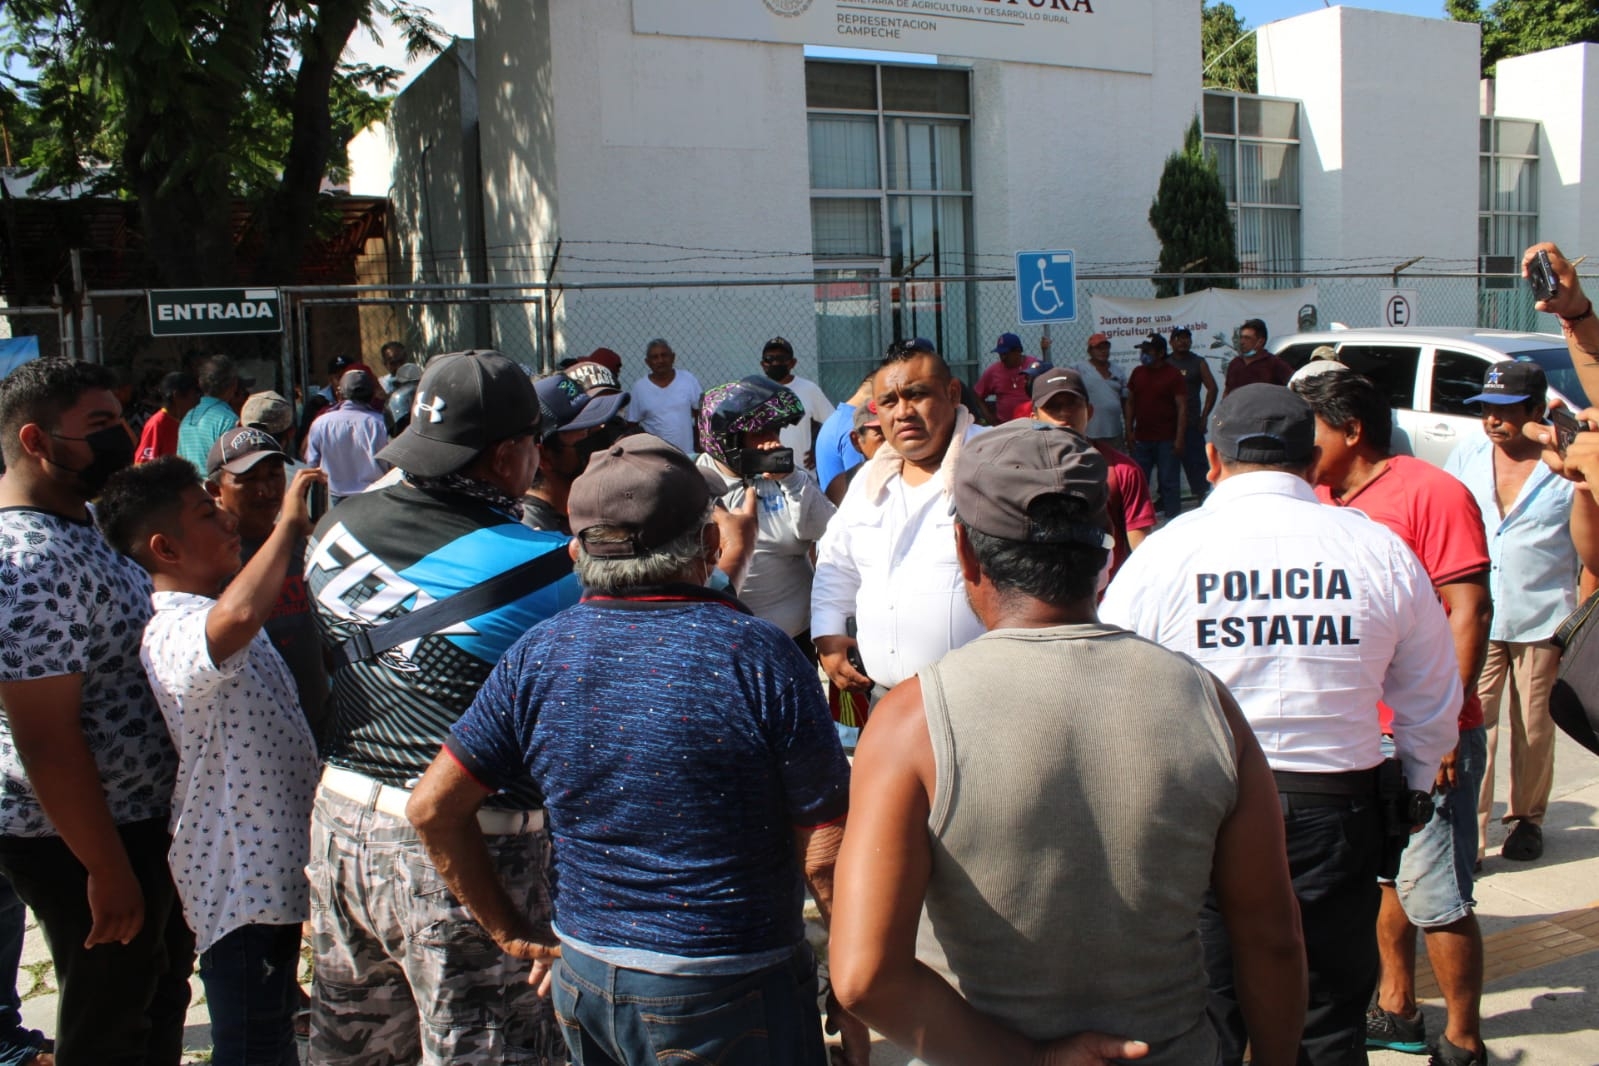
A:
{"x":617,"y":1017}
{"x":252,"y":991}
{"x":1195,"y":465}
{"x":1435,"y":870}
{"x":1160,"y":464}
{"x":17,"y":1044}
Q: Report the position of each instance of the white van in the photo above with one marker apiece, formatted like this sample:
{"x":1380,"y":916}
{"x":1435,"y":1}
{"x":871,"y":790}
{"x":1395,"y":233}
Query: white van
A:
{"x":1428,"y":374}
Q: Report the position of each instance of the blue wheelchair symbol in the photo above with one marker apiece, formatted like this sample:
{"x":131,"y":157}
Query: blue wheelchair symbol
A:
{"x":1046,"y":286}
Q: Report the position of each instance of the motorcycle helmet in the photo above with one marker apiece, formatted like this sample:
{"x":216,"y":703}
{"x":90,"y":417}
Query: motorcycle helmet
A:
{"x":749,"y":405}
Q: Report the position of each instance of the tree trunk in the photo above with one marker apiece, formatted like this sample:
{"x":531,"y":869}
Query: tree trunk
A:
{"x":287,"y":223}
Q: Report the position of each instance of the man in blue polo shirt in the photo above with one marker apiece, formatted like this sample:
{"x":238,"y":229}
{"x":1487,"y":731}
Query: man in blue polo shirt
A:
{"x":691,"y":776}
{"x":1539,"y":528}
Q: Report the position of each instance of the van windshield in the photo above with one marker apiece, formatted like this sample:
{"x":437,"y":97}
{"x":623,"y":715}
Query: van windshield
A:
{"x":1556,"y":363}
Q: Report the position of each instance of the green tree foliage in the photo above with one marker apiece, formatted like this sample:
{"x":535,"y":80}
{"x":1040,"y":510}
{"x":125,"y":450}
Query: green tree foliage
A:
{"x":184,"y":105}
{"x":1190,"y":217}
{"x":1221,"y":28}
{"x":1517,"y":27}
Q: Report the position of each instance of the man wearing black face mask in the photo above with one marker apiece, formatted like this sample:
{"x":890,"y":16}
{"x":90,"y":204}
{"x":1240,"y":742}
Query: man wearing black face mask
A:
{"x":86,"y":767}
{"x":575,"y":426}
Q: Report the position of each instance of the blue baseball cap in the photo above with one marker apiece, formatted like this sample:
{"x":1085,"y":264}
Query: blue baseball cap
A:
{"x":1008,"y":342}
{"x":1512,"y":382}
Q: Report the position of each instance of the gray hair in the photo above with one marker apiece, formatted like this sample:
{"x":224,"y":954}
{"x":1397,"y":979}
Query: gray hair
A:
{"x":670,"y":562}
{"x":658,"y":342}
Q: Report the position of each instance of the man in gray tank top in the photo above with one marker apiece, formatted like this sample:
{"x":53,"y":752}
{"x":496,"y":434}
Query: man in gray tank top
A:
{"x":1062,"y":846}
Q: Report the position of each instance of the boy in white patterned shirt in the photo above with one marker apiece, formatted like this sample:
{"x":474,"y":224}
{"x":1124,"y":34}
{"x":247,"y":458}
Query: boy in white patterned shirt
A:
{"x":247,"y":761}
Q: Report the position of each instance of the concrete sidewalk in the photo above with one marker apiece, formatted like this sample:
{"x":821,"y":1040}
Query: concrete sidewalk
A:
{"x":1540,"y":922}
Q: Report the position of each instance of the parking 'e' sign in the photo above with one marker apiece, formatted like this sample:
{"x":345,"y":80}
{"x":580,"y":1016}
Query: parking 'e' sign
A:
{"x":205,"y":312}
{"x":1046,"y":287}
{"x":1399,"y":307}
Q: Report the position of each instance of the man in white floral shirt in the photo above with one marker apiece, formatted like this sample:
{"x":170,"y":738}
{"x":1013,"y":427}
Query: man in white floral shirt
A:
{"x":86,"y":767}
{"x":247,"y":768}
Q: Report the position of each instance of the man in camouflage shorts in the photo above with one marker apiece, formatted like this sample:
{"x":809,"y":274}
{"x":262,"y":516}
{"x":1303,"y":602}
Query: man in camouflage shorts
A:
{"x":403,"y":974}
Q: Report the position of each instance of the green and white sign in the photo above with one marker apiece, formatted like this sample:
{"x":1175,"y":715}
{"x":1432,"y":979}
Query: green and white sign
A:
{"x":206,"y":312}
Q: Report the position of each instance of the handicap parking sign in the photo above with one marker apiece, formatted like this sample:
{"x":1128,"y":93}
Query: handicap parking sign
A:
{"x":1046,"y":287}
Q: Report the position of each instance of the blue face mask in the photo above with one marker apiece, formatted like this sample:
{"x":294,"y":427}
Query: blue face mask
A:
{"x":1146,"y":358}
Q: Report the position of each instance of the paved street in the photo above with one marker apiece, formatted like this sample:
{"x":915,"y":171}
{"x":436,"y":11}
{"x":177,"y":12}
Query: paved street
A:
{"x":1541,"y":922}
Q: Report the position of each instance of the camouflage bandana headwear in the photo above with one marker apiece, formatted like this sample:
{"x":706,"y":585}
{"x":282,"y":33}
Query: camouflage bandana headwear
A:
{"x":750,"y":405}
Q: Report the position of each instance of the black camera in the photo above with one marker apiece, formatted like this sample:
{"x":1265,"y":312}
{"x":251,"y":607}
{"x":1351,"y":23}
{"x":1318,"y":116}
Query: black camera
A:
{"x":1541,"y":276}
{"x":753,"y":462}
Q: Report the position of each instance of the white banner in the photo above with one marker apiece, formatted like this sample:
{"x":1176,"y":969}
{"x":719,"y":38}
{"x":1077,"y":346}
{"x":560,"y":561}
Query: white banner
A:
{"x":1213,"y":316}
{"x":1096,"y":34}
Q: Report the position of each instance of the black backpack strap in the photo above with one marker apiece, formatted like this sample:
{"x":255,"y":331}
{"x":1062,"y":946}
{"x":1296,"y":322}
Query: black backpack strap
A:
{"x":498,"y":591}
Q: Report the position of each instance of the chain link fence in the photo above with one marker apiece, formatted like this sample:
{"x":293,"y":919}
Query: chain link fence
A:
{"x":839,"y":326}
{"x":46,"y":329}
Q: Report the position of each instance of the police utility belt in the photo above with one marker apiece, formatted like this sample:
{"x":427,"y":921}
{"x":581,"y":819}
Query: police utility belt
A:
{"x":1400,"y":809}
{"x":391,"y":801}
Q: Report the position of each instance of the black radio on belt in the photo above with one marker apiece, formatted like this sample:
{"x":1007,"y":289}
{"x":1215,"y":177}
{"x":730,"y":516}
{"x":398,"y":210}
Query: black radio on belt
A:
{"x":1402,"y":809}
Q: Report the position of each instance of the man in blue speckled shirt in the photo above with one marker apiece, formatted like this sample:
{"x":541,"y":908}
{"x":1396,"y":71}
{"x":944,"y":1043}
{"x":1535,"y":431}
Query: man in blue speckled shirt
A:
{"x":692,"y":782}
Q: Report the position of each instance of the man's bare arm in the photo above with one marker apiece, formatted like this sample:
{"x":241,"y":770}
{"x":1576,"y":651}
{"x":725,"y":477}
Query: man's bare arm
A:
{"x":1256,"y":897}
{"x":882,"y":879}
{"x":1582,"y":334}
{"x":443,"y":808}
{"x":45,"y":724}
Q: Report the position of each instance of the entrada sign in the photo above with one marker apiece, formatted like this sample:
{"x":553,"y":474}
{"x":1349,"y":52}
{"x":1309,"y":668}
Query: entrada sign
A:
{"x":1094,"y":34}
{"x":205,"y":312}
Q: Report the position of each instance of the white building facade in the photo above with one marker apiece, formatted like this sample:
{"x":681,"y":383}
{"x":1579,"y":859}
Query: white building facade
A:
{"x":663,"y":144}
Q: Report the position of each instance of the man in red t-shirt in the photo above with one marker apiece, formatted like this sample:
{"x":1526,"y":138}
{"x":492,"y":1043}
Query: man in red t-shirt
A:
{"x":1156,"y":412}
{"x":1254,"y":364}
{"x":180,"y":392}
{"x":1439,"y":519}
{"x":1005,"y":383}
{"x":1060,"y":398}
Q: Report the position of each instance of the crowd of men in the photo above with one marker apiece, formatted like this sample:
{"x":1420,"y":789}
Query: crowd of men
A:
{"x":543,"y":725}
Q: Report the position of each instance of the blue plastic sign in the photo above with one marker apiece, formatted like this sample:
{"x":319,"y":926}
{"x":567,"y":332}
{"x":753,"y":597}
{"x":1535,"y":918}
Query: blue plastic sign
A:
{"x":1046,"y":287}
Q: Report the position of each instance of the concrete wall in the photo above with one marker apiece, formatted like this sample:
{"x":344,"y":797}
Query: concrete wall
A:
{"x":1388,"y":132}
{"x":425,"y":160}
{"x":1560,"y":89}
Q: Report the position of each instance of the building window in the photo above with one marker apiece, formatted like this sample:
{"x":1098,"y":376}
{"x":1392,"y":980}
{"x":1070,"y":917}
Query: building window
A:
{"x":1255,"y":142}
{"x":1507,"y":216}
{"x":891,"y":196}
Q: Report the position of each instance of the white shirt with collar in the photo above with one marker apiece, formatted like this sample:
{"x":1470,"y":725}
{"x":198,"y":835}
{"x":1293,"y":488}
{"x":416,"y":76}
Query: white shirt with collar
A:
{"x":247,"y":773}
{"x":1309,"y":614}
{"x":889,"y":561}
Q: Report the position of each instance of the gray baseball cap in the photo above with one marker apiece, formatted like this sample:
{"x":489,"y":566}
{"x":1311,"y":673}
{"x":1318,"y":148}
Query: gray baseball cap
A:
{"x":1000,"y":473}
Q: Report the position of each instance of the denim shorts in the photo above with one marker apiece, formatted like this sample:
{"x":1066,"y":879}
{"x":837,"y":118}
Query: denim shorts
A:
{"x":1435,"y":873}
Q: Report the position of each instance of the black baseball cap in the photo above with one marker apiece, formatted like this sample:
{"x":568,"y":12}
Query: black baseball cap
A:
{"x":643,"y":486}
{"x":1263,"y":424}
{"x":1513,"y":382}
{"x":1058,"y":379}
{"x":778,"y":344}
{"x":465,"y":402}
{"x":1155,"y":340}
{"x":1000,"y":473}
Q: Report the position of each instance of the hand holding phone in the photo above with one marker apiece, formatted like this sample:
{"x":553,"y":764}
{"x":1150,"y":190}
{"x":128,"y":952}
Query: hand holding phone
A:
{"x":306,"y":499}
{"x":1567,"y":426}
{"x":1541,"y":277}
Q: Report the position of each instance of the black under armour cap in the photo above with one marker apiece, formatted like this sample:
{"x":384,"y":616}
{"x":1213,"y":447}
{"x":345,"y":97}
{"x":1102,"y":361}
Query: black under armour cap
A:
{"x":1263,"y":424}
{"x":465,"y":402}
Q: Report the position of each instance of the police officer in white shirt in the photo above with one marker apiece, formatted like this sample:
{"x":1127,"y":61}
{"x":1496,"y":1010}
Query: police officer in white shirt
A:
{"x":1309,"y":615}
